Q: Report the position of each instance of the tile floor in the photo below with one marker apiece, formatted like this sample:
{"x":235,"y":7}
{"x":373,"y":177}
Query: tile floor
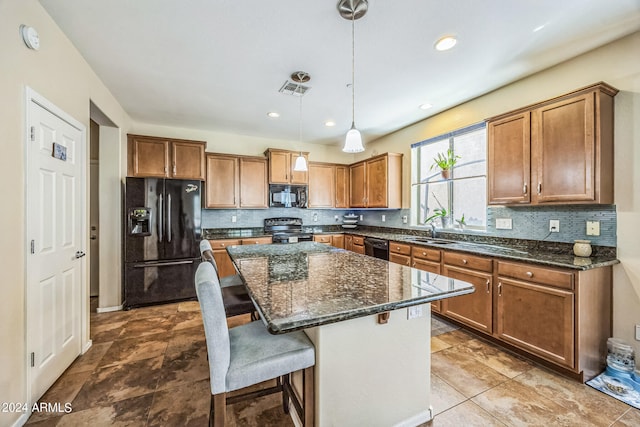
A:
{"x":148,"y":367}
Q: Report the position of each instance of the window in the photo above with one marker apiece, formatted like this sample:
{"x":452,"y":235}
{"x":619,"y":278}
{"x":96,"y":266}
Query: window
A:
{"x":464,"y":193}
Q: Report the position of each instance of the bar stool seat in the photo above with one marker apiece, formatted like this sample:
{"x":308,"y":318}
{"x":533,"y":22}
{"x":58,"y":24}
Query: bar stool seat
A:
{"x":246,"y":355}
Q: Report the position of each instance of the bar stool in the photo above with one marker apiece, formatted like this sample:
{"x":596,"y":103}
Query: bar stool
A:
{"x":246,"y":355}
{"x":234,"y":294}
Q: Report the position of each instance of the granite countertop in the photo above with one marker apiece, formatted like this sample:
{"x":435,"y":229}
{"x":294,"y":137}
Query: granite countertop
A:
{"x":544,"y":253}
{"x":307,"y":284}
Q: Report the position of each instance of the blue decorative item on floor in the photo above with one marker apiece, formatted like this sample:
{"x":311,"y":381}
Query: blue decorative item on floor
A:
{"x":624,"y":386}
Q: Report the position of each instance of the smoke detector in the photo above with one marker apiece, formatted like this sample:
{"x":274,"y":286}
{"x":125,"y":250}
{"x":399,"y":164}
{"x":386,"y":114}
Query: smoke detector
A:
{"x":295,"y":86}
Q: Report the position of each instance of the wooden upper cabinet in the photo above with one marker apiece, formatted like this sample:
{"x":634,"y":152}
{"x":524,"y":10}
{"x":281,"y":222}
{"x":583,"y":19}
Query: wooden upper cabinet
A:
{"x":358,"y":193}
{"x":509,"y":142}
{"x":254,"y":189}
{"x":236,"y":182}
{"x":222,"y":189}
{"x":342,"y":186}
{"x":377,"y":182}
{"x":569,"y":143}
{"x":322,"y":187}
{"x":281,"y":163}
{"x":154,"y":157}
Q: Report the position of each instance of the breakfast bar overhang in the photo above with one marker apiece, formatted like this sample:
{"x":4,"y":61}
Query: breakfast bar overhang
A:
{"x":368,"y":319}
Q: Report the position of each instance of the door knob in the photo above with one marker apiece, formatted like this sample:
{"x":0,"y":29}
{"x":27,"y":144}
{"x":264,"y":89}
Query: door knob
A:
{"x":80,"y":254}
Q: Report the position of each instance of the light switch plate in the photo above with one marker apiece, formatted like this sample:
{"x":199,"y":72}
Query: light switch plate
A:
{"x":504,"y":223}
{"x":637,"y":332}
{"x":384,"y":218}
{"x":593,"y":228}
{"x":234,"y":218}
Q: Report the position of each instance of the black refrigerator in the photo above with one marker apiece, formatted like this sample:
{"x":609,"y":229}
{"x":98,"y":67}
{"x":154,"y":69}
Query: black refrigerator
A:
{"x":161,"y":240}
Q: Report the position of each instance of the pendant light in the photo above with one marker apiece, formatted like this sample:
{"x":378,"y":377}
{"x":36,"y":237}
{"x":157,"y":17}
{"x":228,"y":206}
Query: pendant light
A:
{"x":301,"y":163}
{"x":352,"y":10}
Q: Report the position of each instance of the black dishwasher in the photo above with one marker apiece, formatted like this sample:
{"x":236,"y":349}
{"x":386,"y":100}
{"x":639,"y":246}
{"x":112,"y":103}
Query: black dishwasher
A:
{"x":377,"y":248}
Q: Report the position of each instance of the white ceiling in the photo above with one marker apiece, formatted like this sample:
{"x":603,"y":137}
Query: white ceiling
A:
{"x":218,"y":64}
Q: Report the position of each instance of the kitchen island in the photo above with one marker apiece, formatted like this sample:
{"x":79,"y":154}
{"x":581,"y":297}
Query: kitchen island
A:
{"x":368,"y":319}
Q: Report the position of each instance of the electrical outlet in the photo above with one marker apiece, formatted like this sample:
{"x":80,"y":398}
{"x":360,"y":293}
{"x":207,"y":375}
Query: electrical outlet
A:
{"x":361,"y":217}
{"x":405,"y":219}
{"x":637,"y":332}
{"x":384,"y":218}
{"x":414,"y":311}
{"x":504,"y":223}
{"x":234,"y":218}
{"x":315,"y":217}
{"x":593,"y":228}
{"x":336,"y":217}
{"x":554,"y":225}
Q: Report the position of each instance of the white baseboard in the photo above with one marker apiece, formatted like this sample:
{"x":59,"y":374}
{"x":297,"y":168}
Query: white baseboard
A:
{"x":87,"y":346}
{"x":417,"y":419}
{"x":108,"y":309}
{"x":22,"y":420}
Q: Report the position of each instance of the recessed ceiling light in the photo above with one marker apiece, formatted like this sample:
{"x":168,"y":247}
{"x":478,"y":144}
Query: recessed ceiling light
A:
{"x":445,"y":43}
{"x":329,"y":123}
{"x":425,"y":106}
{"x":539,"y":27}
{"x":273,"y":114}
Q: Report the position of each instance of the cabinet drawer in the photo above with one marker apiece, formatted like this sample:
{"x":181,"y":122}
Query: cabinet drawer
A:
{"x":542,"y":275}
{"x":432,"y":267}
{"x":358,"y":240}
{"x":425,"y":253}
{"x":323,"y":239}
{"x":400,"y":259}
{"x":399,"y":248}
{"x":256,"y":241}
{"x":222,"y":244}
{"x":358,"y":249}
{"x":468,"y":261}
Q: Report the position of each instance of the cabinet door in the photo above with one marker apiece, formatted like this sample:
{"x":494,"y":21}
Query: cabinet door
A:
{"x":430,"y":266}
{"x":537,"y":319}
{"x":342,"y":187}
{"x":509,"y":160}
{"x":348,"y":242}
{"x":377,"y":174}
{"x":400,"y":259}
{"x":149,"y":157}
{"x":563,"y":151}
{"x":359,"y":249}
{"x":254,"y":190}
{"x":298,"y":177}
{"x":358,"y":191}
{"x":223,"y":260}
{"x":321,"y":186}
{"x":473,"y":309}
{"x":279,"y":167}
{"x":337,"y":240}
{"x":187,"y":160}
{"x":222,"y":182}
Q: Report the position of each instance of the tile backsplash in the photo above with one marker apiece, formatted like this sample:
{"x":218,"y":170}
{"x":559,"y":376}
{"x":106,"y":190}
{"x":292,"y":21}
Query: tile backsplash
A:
{"x":531,"y":222}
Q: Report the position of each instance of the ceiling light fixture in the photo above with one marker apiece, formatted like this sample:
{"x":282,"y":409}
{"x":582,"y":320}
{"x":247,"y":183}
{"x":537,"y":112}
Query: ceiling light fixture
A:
{"x":445,"y":43}
{"x":352,"y":10}
{"x":329,"y":123}
{"x":301,"y":163}
{"x":273,"y":114}
{"x":425,"y":106}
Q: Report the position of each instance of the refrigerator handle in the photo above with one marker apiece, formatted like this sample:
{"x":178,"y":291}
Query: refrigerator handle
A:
{"x":168,"y":217}
{"x":160,"y":217}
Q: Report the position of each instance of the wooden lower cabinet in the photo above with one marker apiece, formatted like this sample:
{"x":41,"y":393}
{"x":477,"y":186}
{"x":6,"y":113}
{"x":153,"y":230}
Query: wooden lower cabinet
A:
{"x":336,"y":240}
{"x":400,"y":253}
{"x":537,"y":318}
{"x":358,"y":245}
{"x":475,"y":309}
{"x":348,"y":242}
{"x":223,"y":260}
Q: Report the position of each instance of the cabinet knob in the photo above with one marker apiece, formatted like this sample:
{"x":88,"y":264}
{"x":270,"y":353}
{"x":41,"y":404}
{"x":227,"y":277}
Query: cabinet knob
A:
{"x":222,"y":245}
{"x":464,"y":261}
{"x":529,"y":274}
{"x":424,"y":253}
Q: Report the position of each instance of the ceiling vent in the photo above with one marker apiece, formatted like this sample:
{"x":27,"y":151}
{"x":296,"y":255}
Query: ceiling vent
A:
{"x":294,"y":86}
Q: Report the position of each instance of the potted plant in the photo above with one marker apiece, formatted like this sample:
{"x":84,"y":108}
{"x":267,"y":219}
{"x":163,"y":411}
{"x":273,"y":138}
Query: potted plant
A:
{"x":445,"y":162}
{"x":439,"y":212}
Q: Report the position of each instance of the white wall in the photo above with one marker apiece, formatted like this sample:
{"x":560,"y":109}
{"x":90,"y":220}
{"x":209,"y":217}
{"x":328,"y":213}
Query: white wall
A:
{"x":617,"y":64}
{"x":60,"y":74}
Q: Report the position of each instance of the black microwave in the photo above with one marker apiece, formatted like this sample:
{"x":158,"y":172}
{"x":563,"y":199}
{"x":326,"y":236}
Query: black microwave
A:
{"x":288,"y":196}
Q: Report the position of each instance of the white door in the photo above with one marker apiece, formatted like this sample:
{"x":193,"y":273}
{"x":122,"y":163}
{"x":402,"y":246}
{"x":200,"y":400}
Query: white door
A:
{"x":55,"y":244}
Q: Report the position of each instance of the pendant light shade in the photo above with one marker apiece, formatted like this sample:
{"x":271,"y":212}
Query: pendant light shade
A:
{"x":301,"y":164}
{"x":352,"y":10}
{"x":353,"y":141}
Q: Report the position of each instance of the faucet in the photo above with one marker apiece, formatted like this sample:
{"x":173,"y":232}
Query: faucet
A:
{"x":433,"y":229}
